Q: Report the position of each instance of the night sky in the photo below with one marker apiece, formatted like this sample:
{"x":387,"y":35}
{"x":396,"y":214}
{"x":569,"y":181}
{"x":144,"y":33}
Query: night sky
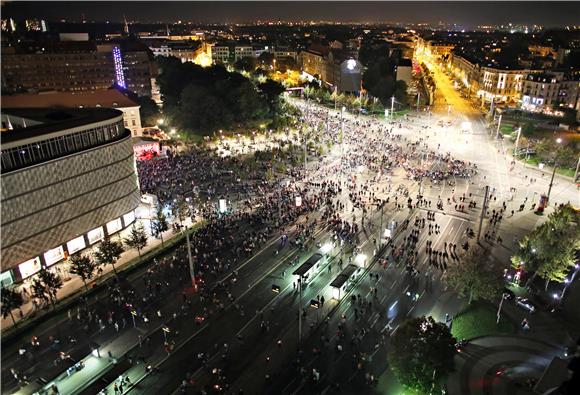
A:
{"x":463,"y":13}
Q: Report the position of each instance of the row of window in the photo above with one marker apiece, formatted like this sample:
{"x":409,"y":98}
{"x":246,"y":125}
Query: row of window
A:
{"x":42,"y":151}
{"x":59,"y":253}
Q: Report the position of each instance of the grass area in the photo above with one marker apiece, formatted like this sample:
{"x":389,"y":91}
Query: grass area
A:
{"x":506,"y":129}
{"x":477,"y":320}
{"x":564,"y":171}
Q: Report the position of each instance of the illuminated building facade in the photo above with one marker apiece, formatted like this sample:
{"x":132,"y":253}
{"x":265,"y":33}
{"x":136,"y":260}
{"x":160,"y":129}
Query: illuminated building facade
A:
{"x":68,"y":181}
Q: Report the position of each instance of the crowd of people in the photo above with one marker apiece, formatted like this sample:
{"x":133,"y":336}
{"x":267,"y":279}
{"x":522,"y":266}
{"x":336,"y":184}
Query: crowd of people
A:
{"x":336,"y":192}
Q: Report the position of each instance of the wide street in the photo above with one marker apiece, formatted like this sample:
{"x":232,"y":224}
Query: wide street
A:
{"x":243,"y":334}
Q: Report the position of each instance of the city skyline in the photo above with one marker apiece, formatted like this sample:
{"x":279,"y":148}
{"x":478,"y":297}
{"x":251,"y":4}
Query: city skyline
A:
{"x":467,"y":14}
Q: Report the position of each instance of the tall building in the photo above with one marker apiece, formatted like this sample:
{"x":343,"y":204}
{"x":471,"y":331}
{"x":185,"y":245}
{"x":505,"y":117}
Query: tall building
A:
{"x":186,"y":51}
{"x":547,"y":92}
{"x":78,"y":66}
{"x":404,"y":71}
{"x":68,"y":181}
{"x":220,"y":53}
{"x":332,"y":67}
{"x":502,"y":84}
{"x":243,"y":51}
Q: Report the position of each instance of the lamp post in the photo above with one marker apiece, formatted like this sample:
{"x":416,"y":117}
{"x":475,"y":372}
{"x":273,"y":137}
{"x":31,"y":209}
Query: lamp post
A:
{"x":498,"y":126}
{"x":569,"y":281}
{"x":342,"y":130}
{"x":392,"y":107}
{"x":191,"y":267}
{"x":559,"y":141}
{"x":518,"y":140}
{"x":299,"y":309}
{"x":418,"y":100}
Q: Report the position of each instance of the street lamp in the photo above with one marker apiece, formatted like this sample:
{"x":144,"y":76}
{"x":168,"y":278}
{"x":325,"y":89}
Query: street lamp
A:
{"x":559,"y":141}
{"x":160,"y":121}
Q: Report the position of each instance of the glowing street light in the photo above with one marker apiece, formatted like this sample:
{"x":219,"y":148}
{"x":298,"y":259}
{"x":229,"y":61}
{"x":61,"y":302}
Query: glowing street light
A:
{"x":326,"y":247}
{"x":361,"y":260}
{"x":559,"y":141}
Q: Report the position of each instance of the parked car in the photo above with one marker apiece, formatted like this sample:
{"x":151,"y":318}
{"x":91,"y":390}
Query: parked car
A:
{"x":525,"y":304}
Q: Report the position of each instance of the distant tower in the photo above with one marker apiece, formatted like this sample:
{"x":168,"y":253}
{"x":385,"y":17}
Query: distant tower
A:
{"x":126,"y":27}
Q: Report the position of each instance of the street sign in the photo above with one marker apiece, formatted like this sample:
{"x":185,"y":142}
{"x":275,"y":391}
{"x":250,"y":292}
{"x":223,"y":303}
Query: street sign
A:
{"x":133,"y":312}
{"x":166,"y":329}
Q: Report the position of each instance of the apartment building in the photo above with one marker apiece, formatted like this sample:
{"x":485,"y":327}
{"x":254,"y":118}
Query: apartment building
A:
{"x":220,"y":54}
{"x":78,"y":66}
{"x":549,"y":91}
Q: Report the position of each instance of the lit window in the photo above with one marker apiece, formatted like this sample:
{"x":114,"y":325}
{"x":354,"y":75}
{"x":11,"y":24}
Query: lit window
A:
{"x":29,"y":267}
{"x":76,"y":244}
{"x":53,"y":256}
{"x":114,"y":226}
{"x":96,"y":235}
{"x":128,"y":218}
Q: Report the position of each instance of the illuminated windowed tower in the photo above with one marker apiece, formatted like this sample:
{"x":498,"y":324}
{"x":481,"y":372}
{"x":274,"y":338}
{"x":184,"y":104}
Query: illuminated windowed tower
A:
{"x":119,"y":75}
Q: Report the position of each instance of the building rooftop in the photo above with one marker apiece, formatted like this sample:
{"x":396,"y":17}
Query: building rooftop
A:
{"x":110,"y":98}
{"x":53,"y":120}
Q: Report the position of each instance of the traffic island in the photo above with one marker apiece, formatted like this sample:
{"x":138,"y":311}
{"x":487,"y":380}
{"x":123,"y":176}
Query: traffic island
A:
{"x":480,"y":319}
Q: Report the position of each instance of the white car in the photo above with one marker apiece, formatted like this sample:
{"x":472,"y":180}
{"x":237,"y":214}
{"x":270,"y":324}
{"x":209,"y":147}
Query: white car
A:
{"x":525,"y":304}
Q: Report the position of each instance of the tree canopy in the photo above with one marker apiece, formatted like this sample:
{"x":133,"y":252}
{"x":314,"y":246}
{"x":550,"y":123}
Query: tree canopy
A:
{"x":548,"y":250}
{"x":475,"y":276}
{"x":421,"y":353}
{"x":379,"y":78}
{"x":82,"y":266}
{"x":45,"y":286}
{"x":203,"y":100}
{"x":148,"y":111}
{"x":109,"y":252}
{"x":11,"y":300}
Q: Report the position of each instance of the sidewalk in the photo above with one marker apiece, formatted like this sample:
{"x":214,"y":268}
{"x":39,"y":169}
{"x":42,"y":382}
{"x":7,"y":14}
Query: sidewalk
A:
{"x":73,"y":285}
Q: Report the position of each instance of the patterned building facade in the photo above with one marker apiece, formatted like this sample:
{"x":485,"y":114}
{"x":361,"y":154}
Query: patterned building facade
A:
{"x":66,"y":185}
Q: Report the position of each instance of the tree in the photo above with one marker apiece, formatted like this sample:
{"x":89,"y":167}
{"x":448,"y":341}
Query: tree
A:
{"x":548,"y":250}
{"x":421,"y":353}
{"x":149,"y":111}
{"x":286,"y":64}
{"x":214,"y":99}
{"x":45,"y":286}
{"x":159,"y":224}
{"x":137,"y":238}
{"x":272,"y":90}
{"x":11,"y":300}
{"x":180,"y":210}
{"x":247,"y":63}
{"x":266,"y":58}
{"x":109,"y":253}
{"x":82,"y":266}
{"x":475,"y":276}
